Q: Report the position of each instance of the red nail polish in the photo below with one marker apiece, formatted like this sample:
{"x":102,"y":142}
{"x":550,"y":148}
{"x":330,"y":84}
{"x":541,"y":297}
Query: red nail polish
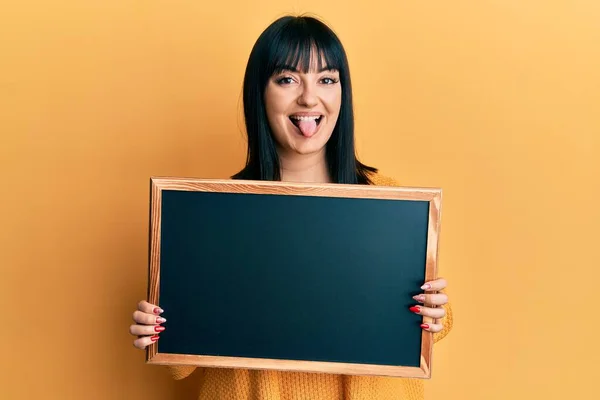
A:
{"x":159,"y":328}
{"x":160,"y":320}
{"x":424,"y":326}
{"x":157,"y":310}
{"x":154,"y":338}
{"x":415,"y":309}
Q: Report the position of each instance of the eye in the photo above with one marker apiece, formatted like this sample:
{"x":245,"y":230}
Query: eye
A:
{"x":329,"y":81}
{"x":286,"y":80}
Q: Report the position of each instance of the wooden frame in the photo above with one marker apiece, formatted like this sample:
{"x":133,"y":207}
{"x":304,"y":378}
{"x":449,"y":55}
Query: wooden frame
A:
{"x":431,"y":195}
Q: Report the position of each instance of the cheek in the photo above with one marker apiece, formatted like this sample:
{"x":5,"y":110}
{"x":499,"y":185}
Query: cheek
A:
{"x":274,"y":111}
{"x":274,"y":106}
{"x":333,"y":101}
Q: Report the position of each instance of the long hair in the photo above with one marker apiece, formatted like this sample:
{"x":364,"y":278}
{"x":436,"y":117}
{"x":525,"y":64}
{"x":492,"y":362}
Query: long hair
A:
{"x":290,"y":41}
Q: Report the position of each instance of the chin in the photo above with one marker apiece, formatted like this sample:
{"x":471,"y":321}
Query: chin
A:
{"x":305,"y":151}
{"x":308,"y":145}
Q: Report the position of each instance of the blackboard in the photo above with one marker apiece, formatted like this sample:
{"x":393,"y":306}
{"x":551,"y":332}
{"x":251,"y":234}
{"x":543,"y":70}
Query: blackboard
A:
{"x":289,"y":276}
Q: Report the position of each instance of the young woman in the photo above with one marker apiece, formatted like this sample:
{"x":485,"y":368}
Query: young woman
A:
{"x":299,"y":120}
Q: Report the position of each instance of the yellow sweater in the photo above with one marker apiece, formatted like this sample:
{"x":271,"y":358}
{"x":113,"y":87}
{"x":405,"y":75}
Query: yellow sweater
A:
{"x":243,"y":384}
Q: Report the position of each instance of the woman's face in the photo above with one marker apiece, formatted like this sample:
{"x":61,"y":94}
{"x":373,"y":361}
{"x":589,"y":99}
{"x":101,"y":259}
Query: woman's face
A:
{"x":303,"y":108}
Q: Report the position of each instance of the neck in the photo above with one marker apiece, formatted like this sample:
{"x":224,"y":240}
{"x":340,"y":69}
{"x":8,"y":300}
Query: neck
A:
{"x":310,"y":168}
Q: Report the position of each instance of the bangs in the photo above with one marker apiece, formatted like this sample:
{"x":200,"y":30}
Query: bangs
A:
{"x":304,"y":47}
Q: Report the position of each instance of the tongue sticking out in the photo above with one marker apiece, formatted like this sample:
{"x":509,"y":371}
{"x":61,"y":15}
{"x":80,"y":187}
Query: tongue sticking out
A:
{"x":307,"y":128}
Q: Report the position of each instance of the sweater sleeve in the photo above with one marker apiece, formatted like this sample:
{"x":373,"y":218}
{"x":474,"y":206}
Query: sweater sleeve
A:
{"x":446,"y":324}
{"x":179,"y":372}
{"x":447,"y":320}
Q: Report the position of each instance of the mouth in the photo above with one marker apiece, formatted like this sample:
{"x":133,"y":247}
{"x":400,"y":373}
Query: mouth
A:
{"x":306,"y":124}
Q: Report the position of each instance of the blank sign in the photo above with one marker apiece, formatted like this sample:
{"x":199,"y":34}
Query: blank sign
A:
{"x":271,"y":275}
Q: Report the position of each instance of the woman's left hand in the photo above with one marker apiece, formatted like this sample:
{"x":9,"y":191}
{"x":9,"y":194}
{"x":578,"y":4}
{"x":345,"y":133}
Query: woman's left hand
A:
{"x":431,"y":298}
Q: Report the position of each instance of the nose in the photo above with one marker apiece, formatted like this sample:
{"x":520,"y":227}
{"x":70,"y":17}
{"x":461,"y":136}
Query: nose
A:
{"x":307,"y":96}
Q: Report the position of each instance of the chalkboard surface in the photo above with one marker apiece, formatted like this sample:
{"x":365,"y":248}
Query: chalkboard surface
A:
{"x":261,"y":273}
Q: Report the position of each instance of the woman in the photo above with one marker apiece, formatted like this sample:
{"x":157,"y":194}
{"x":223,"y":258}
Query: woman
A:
{"x":299,"y":120}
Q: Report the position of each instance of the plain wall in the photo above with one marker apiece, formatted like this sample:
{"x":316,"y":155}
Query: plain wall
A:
{"x":497,"y":102}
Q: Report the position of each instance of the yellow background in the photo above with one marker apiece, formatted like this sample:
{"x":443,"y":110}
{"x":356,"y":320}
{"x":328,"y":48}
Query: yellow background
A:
{"x":498,"y":102}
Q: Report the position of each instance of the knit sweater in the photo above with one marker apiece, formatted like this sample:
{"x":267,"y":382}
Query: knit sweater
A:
{"x":245,"y":384}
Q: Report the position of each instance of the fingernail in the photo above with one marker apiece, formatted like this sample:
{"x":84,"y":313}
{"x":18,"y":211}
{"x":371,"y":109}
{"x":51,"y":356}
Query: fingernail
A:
{"x":160,"y":320}
{"x":159,"y":328}
{"x":415,"y":309}
{"x":424,"y":326}
{"x":420,"y":298}
{"x":426,"y":286}
{"x":154,"y":338}
{"x":158,"y":310}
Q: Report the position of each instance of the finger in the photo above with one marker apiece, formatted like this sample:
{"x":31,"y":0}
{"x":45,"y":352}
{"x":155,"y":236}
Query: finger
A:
{"x":435,"y":313}
{"x":145,"y":330}
{"x":145,"y":341}
{"x":432,"y":327}
{"x":436,"y":299}
{"x":147,"y":319}
{"x":148,"y":308}
{"x":437,"y":284}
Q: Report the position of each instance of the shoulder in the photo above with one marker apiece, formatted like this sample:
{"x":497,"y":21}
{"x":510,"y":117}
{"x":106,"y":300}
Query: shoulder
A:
{"x":379,"y":179}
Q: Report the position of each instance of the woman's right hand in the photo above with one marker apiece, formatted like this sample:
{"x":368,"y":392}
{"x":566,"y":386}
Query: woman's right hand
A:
{"x":148,"y":324}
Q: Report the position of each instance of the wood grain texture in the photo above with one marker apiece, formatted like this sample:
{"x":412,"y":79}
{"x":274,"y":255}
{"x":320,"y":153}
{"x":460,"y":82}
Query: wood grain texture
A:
{"x":154,"y":255}
{"x":300,"y":189}
{"x":432,"y":195}
{"x":433,"y":230}
{"x":289,"y":365}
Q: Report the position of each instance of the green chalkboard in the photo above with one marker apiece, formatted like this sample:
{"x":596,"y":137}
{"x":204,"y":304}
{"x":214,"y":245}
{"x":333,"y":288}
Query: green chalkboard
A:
{"x":292,"y":277}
